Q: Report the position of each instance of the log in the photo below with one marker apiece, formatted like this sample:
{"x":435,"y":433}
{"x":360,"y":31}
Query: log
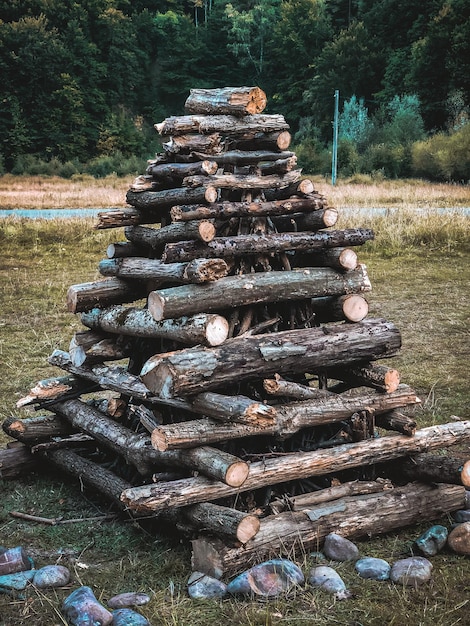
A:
{"x":243,"y":245}
{"x":172,"y":174}
{"x":223,"y":124}
{"x":369,"y":374}
{"x":202,"y":328}
{"x":89,"y":347}
{"x":125,"y":249}
{"x":227,"y":210}
{"x":323,"y":408}
{"x":136,"y":268}
{"x":154,"y":238}
{"x":16,"y":461}
{"x":297,"y":532}
{"x":281,"y":166}
{"x":304,"y":188}
{"x":52,"y":388}
{"x":186,"y":144}
{"x":397,"y":421}
{"x":32,"y":430}
{"x":241,"y":409}
{"x":339,"y":258}
{"x":222,"y":521}
{"x":350,"y":307}
{"x":278,"y":387}
{"x":276,"y":140}
{"x":148,"y":200}
{"x":295,"y":466}
{"x":274,"y":286}
{"x":228,"y":100}
{"x":427,"y":468}
{"x":320,"y":218}
{"x":85,"y":296}
{"x":127,"y":217}
{"x":245,"y":157}
{"x":243,"y":181}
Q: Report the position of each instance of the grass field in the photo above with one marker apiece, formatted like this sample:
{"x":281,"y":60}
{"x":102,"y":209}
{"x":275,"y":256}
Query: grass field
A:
{"x":419,"y":269}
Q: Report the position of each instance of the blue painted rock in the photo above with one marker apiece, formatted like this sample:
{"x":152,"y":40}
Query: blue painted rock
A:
{"x":14,"y":560}
{"x":81,"y":608}
{"x":459,"y":539}
{"x":413,"y":571}
{"x":328,"y":579}
{"x":462,"y":516}
{"x":51,"y":576}
{"x":432,"y":541}
{"x":128,"y":617}
{"x":375,"y":569}
{"x":268,"y":579}
{"x":339,"y":548}
{"x":203,"y":587}
{"x":125,"y":600}
{"x":16,"y":581}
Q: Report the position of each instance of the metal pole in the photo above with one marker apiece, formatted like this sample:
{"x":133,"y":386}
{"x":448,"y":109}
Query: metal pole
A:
{"x":334,"y":161}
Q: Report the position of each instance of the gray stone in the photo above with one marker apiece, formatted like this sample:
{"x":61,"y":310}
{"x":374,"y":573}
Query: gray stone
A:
{"x":203,"y":587}
{"x":339,"y":548}
{"x":51,"y":576}
{"x":432,"y":541}
{"x":328,"y":579}
{"x":462,"y":516}
{"x":268,"y":579}
{"x":413,"y":571}
{"x":16,"y":581}
{"x":459,"y":539}
{"x":373,"y":568}
{"x":126,"y":600}
{"x":81,"y":608}
{"x":128,"y":617}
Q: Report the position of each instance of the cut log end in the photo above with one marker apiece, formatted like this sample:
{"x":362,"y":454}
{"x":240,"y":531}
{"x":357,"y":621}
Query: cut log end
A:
{"x":283,"y":142}
{"x":391,"y":380}
{"x":217,"y":330}
{"x":306,"y":187}
{"x":248,"y":528}
{"x":330,"y":217}
{"x":348,"y":259}
{"x":159,"y":440}
{"x":355,"y":307}
{"x":156,"y":306}
{"x":206,"y":231}
{"x":256,"y":103}
{"x":210,"y":194}
{"x":237,"y":473}
{"x":465,"y":475}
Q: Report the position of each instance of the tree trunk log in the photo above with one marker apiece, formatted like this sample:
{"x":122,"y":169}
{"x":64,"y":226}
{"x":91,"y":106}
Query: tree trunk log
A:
{"x":195,"y":370}
{"x":396,"y":421}
{"x":90,"y":347}
{"x":241,"y":181}
{"x":85,"y":296}
{"x":371,"y":375}
{"x":321,"y":218}
{"x":227,"y":210}
{"x":223,"y":521}
{"x":259,"y":287}
{"x":287,"y":533}
{"x":154,"y":238}
{"x":322,"y":408}
{"x":33,"y":430}
{"x":242,"y":245}
{"x":172,"y":174}
{"x":223,"y":124}
{"x":276,"y":140}
{"x":427,"y":468}
{"x":16,"y":461}
{"x":234,"y":409}
{"x":297,"y":465}
{"x":350,"y":307}
{"x":124,"y":250}
{"x":202,"y":328}
{"x":186,"y":144}
{"x":226,"y":101}
{"x":242,"y":157}
{"x":130,"y":216}
{"x":286,"y":388}
{"x":52,"y":388}
{"x":136,"y":268}
{"x":169,"y":197}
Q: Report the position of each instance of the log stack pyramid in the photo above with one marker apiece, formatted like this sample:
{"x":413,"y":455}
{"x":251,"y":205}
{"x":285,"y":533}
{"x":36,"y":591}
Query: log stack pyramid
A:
{"x":228,"y":379}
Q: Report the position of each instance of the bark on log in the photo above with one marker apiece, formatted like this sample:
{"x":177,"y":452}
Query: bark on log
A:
{"x":223,"y":124}
{"x":321,"y":218}
{"x":172,"y":174}
{"x":89,"y":347}
{"x":279,"y":387}
{"x":294,"y":466}
{"x":241,"y":181}
{"x":395,"y":420}
{"x":223,"y":521}
{"x":338,"y":258}
{"x":289,"y":533}
{"x":32,"y":430}
{"x":322,"y":408}
{"x":242,"y":245}
{"x":155,"y":238}
{"x":351,"y":307}
{"x":228,"y":100}
{"x":427,"y":468}
{"x":259,"y":287}
{"x":16,"y":461}
{"x":304,"y":188}
{"x":51,"y":388}
{"x":276,"y":140}
{"x":195,"y":370}
{"x":281,"y":166}
{"x":371,"y":375}
{"x":202,"y":328}
{"x":186,"y":144}
{"x":197,"y":271}
{"x":234,"y":409}
{"x":127,"y":217}
{"x":148,"y":200}
{"x":227,"y":210}
{"x":85,"y":296}
{"x":124,"y":250}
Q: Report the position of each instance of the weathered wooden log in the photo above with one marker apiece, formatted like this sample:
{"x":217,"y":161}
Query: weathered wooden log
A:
{"x":242,"y":245}
{"x":245,"y":157}
{"x":234,"y":409}
{"x":223,"y":124}
{"x":124,"y":250}
{"x":304,"y":188}
{"x":258,"y":287}
{"x":127,"y":217}
{"x":297,"y":465}
{"x":321,"y":218}
{"x":241,"y":181}
{"x":397,"y":421}
{"x":197,"y":271}
{"x":223,"y":521}
{"x":172,"y":174}
{"x":351,"y":307}
{"x":137,"y":449}
{"x":32,"y":430}
{"x":169,"y":197}
{"x":227,"y":210}
{"x":427,"y":468}
{"x":322,"y":408}
{"x":192,"y":142}
{"x":15,"y":461}
{"x":339,"y":258}
{"x":228,"y":100}
{"x":154,"y":238}
{"x":51,"y":388}
{"x":281,"y":166}
{"x":372,"y":375}
{"x":88,"y":347}
{"x":202,"y":328}
{"x":195,"y":370}
{"x":275,"y":140}
{"x":85,"y":296}
{"x":359,"y":516}
{"x":279,"y":387}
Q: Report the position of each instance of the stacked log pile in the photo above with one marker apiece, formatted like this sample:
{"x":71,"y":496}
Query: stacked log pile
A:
{"x":228,"y":371}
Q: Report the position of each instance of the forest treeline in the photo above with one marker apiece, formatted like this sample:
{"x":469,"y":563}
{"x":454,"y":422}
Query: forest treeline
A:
{"x":83,"y":81}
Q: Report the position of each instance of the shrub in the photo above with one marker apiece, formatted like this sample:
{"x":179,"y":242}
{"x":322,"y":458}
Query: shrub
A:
{"x":443,"y":157}
{"x":312,"y":157}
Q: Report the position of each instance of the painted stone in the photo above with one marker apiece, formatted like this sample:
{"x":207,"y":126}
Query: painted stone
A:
{"x":81,"y":608}
{"x":268,"y":579}
{"x":126,"y":600}
{"x":128,"y":617}
{"x":373,"y":568}
{"x":203,"y":587}
{"x":413,"y":571}
{"x":51,"y":576}
{"x":459,"y":539}
{"x":16,"y":581}
{"x":14,"y":560}
{"x":339,"y":548}
{"x":432,"y":541}
{"x":462,"y":516}
{"x":326,"y":578}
